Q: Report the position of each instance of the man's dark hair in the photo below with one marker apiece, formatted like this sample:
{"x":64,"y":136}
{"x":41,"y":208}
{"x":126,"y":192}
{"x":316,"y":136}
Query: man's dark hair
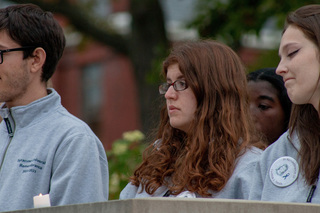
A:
{"x":29,"y":25}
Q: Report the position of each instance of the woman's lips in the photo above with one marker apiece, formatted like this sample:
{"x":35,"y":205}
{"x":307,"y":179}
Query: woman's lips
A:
{"x":287,"y":79}
{"x":172,"y":108}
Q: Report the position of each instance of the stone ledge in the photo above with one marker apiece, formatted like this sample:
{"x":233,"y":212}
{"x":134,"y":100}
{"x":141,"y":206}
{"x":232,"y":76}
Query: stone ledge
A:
{"x":184,"y":205}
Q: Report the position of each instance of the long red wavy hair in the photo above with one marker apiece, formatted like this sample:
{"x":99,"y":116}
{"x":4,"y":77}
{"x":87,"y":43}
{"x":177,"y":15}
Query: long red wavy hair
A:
{"x":204,"y":159}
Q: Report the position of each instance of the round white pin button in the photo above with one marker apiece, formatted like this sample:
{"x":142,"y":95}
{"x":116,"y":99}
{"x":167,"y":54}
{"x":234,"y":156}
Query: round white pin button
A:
{"x":187,"y":194}
{"x":284,"y":171}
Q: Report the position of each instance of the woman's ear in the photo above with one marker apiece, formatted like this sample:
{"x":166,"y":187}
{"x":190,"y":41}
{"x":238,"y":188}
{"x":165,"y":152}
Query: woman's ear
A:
{"x":37,"y":59}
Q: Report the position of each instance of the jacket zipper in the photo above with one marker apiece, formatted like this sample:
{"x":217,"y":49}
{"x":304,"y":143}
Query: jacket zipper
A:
{"x":10,"y":133}
{"x":9,"y":128}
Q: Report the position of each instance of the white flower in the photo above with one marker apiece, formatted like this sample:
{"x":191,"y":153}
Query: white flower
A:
{"x":119,"y":148}
{"x":114,"y":183}
{"x":132,"y":136}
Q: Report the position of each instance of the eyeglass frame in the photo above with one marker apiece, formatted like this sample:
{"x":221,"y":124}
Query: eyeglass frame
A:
{"x":12,"y":50}
{"x":167,"y":85}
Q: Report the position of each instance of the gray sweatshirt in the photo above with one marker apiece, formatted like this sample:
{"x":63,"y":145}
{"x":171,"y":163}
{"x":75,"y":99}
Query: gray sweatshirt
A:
{"x":44,"y":149}
{"x":277,"y":176}
{"x":237,"y":186}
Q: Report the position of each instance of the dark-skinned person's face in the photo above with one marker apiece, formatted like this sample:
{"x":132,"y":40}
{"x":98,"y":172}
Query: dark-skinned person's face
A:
{"x":266,"y":110}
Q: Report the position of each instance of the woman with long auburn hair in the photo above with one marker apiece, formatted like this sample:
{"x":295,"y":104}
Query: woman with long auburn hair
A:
{"x":203,"y":147}
{"x":289,"y":169}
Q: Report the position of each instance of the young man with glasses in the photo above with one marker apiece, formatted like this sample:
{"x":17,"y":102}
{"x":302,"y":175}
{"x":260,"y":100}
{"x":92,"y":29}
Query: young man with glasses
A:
{"x":43,"y":148}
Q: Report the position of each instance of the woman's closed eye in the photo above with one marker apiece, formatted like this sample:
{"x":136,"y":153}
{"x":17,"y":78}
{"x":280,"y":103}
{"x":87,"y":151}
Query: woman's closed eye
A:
{"x":291,"y":54}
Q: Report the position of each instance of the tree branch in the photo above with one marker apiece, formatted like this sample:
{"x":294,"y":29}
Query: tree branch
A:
{"x":83,"y":22}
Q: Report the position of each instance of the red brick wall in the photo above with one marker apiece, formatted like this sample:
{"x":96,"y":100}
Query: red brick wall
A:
{"x":119,"y":109}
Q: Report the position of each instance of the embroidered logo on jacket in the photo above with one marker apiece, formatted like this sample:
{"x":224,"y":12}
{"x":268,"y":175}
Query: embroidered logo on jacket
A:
{"x":33,"y":165}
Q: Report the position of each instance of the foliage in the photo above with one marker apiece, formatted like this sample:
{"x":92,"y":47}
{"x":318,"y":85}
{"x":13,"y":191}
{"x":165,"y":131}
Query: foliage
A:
{"x":123,"y":158}
{"x":268,"y":58}
{"x":228,"y":20}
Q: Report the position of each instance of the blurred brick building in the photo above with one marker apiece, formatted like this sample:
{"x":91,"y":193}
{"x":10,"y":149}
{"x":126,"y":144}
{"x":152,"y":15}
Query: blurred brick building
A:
{"x":97,"y":85}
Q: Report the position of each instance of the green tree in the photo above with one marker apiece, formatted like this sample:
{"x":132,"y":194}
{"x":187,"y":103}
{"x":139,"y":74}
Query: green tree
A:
{"x":229,"y":20}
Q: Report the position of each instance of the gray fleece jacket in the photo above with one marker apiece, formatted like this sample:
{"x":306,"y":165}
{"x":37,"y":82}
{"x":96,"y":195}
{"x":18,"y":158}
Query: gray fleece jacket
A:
{"x":277,"y":176}
{"x":237,"y":186}
{"x":44,"y":149}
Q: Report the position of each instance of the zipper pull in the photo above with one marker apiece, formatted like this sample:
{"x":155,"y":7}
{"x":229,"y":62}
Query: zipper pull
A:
{"x":9,"y":128}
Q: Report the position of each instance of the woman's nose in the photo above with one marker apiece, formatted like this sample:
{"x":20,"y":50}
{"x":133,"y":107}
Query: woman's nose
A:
{"x":171,"y":93}
{"x":281,"y":69}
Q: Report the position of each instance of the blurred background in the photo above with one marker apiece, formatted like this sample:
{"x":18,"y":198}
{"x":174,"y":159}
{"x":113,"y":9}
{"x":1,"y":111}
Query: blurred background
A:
{"x":110,"y":70}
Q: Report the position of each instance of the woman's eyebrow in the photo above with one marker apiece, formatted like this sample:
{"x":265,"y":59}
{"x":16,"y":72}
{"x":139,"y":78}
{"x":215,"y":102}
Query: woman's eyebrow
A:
{"x":178,"y":78}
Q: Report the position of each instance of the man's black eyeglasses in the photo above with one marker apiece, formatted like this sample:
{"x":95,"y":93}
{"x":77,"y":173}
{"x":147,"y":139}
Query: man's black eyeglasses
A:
{"x":178,"y":85}
{"x":11,"y":50}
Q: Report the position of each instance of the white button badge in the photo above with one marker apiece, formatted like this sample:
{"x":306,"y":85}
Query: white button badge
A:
{"x":284,"y":171}
{"x":187,"y":194}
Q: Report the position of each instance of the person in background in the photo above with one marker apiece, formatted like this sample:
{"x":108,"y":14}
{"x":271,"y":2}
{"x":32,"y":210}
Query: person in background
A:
{"x":270,"y":105}
{"x":43,"y":148}
{"x":289,"y":168}
{"x":204,"y":144}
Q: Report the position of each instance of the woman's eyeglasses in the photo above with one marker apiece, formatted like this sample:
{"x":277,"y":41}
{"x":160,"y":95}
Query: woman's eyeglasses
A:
{"x":178,"y":85}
